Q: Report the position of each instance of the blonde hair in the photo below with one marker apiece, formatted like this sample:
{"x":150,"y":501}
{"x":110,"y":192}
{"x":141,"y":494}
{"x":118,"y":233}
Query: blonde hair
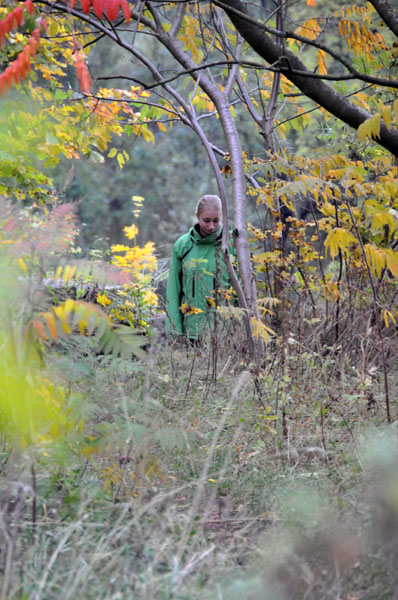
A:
{"x":208,"y":202}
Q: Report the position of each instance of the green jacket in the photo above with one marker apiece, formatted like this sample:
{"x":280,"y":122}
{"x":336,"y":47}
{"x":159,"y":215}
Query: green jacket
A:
{"x":197,"y":269}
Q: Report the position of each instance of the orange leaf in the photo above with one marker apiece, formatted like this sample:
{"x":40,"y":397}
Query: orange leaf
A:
{"x":39,"y":328}
{"x":82,"y":74}
{"x":51,"y":324}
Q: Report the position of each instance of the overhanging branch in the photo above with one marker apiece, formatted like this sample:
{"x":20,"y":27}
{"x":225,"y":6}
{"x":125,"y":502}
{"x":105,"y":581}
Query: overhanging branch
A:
{"x":315,"y":89}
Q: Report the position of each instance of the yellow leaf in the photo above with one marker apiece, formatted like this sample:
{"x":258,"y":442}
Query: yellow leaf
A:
{"x":392,"y":261}
{"x":147,"y":134}
{"x":187,"y":309}
{"x":363,"y":130}
{"x":395,"y":109}
{"x":376,"y":259}
{"x":60,"y":312}
{"x":310,"y":29}
{"x":68,"y":273}
{"x":261,"y":330}
{"x":162,"y":126}
{"x":386,"y":113}
{"x":339,"y":239}
{"x":322,"y":62}
{"x":388,"y":316}
{"x":69,"y":306}
{"x":65,"y":327}
{"x":103,"y":300}
{"x":121,"y":160}
{"x":131,"y":231}
{"x":331,"y":291}
{"x":22,"y":264}
{"x":375,"y":125}
{"x":53,"y":28}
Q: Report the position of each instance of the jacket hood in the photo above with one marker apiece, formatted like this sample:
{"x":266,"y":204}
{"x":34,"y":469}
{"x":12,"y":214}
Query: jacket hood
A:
{"x":210,"y":239}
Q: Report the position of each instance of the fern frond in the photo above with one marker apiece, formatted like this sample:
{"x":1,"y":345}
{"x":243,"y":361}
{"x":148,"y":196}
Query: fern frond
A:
{"x":87,"y":319}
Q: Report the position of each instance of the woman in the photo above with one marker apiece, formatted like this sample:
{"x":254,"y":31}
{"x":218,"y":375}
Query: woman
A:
{"x":197,"y":273}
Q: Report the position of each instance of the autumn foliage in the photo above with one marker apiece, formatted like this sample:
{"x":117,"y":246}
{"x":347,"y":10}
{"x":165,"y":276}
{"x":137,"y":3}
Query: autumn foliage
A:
{"x":18,"y":69}
{"x":109,"y":8}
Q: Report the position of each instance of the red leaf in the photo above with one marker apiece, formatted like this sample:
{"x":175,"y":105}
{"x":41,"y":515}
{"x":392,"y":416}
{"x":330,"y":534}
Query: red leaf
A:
{"x":2,"y":33}
{"x":24,"y":61}
{"x":126,"y":10}
{"x":32,"y":45}
{"x":43,"y":24}
{"x":7,"y":77}
{"x":29,"y":7}
{"x":82,"y":74}
{"x":15,"y":71}
{"x":85,"y":4}
{"x":8,"y":23}
{"x":98,"y":6}
{"x":36,"y":36}
{"x":18,"y":15}
{"x":112,"y":9}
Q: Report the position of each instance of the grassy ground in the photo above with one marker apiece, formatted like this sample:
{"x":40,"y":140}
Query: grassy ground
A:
{"x":199,"y":475}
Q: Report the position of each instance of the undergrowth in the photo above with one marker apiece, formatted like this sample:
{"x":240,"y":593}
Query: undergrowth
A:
{"x":185,"y":478}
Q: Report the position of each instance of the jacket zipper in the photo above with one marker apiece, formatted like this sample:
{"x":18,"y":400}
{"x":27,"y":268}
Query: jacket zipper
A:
{"x":193,"y":285}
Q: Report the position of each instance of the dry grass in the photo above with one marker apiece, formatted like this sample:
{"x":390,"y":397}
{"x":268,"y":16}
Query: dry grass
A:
{"x":208,"y":480}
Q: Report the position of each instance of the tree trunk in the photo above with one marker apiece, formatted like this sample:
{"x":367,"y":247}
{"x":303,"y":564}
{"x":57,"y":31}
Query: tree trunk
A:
{"x":238,"y":175}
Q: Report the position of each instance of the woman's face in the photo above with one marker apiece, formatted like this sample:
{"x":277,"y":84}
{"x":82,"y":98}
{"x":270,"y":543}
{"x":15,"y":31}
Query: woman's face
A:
{"x":209,"y":221}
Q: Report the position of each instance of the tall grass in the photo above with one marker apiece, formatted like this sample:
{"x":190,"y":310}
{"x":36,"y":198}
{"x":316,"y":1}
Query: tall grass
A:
{"x":253,"y":483}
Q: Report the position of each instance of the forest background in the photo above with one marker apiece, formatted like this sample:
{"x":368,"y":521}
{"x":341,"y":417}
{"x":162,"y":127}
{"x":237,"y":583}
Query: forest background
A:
{"x":128,"y":468}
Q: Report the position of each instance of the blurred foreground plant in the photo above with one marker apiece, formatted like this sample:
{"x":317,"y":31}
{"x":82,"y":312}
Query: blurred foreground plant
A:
{"x":32,"y":409}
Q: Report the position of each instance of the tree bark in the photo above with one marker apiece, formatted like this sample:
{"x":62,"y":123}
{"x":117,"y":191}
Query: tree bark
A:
{"x":238,"y":174}
{"x":388,"y":14}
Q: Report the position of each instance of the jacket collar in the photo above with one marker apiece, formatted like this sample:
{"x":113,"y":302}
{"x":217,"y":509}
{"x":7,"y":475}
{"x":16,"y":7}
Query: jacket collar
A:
{"x":213,"y":238}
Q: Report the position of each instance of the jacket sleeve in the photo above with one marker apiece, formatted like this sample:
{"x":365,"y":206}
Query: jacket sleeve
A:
{"x":174,"y":320}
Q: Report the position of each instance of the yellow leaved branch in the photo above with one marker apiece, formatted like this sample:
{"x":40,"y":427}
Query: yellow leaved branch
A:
{"x":339,"y":239}
{"x":260,"y":330}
